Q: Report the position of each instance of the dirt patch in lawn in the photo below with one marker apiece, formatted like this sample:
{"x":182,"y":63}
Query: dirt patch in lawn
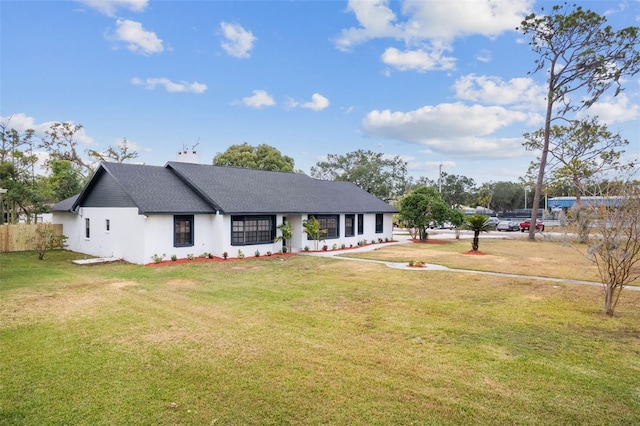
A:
{"x":122,"y":284}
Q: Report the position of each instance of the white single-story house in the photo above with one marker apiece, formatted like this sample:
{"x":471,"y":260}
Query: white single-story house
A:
{"x":134,"y":212}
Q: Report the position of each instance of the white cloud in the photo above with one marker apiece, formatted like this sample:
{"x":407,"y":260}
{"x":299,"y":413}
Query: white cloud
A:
{"x":238,"y":41}
{"x":109,"y":7}
{"x":22,"y":122}
{"x":376,"y":20}
{"x":524,"y":93}
{"x":454,"y":129}
{"x":484,"y":56}
{"x":259,"y":99}
{"x":170,"y":86}
{"x":448,"y":20}
{"x":419,"y":60}
{"x":613,"y":110}
{"x":138,"y":39}
{"x":430,"y":27}
{"x":317,"y":103}
{"x":414,"y":165}
{"x":621,"y":7}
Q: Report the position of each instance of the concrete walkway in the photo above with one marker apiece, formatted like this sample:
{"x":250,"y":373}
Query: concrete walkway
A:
{"x":404,"y":239}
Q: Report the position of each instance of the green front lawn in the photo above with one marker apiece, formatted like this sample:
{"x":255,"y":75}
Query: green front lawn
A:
{"x":306,"y":340}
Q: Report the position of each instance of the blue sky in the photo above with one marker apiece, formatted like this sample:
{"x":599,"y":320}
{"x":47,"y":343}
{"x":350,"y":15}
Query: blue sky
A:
{"x":435,"y":82}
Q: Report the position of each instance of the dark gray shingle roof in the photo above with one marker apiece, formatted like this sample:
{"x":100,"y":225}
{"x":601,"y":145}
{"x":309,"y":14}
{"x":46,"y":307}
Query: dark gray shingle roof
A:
{"x":153,"y":189}
{"x":65,"y":205}
{"x":197,"y":188}
{"x":237,"y":190}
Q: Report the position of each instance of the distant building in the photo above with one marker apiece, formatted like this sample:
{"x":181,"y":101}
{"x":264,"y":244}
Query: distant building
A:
{"x":557,"y":204}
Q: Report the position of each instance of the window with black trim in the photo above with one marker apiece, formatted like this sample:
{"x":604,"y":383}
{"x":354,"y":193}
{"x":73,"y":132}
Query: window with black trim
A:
{"x":360,"y":224}
{"x":379,"y":223}
{"x":252,"y":230}
{"x":349,"y":225}
{"x":87,"y":228}
{"x":183,"y":230}
{"x":329,"y":222}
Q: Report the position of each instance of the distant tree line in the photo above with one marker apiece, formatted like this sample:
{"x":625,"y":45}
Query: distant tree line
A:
{"x":32,"y":183}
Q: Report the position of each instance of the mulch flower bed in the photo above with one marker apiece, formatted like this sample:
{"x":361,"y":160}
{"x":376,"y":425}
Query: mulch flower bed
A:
{"x":166,"y":262}
{"x":216,"y":259}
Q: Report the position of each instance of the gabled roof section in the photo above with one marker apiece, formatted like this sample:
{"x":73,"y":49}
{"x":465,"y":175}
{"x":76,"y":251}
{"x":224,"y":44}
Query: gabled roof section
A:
{"x":152,"y":189}
{"x":66,"y":205}
{"x":247,"y":191}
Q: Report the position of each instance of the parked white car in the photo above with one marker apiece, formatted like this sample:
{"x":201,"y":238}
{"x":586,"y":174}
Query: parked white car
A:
{"x":508,"y":225}
{"x":493,"y":222}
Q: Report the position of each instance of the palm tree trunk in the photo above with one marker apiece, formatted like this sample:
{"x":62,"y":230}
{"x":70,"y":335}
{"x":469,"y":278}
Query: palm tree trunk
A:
{"x":476,"y":241}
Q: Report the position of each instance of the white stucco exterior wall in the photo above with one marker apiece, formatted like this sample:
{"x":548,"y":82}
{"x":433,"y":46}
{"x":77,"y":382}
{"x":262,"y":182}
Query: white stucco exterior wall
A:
{"x":124,"y":238}
{"x":137,"y":238}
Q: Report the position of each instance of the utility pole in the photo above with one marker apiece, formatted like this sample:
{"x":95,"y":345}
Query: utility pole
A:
{"x":440,"y":179}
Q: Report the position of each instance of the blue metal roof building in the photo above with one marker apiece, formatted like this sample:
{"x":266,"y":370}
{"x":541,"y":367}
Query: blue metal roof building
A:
{"x":568,"y":202}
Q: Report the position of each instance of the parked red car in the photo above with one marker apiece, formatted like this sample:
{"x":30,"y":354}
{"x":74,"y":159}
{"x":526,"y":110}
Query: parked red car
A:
{"x":524,"y":226}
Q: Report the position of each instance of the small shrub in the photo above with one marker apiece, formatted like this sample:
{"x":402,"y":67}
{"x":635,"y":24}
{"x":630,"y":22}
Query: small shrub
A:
{"x":418,"y":263}
{"x":158,"y":259}
{"x":386,"y":240}
{"x":225,"y":255}
{"x":379,"y":240}
{"x":334,"y":247}
{"x":306,"y":248}
{"x":204,"y":255}
{"x":343,"y":246}
{"x":325,"y":247}
{"x":411,"y":262}
{"x":46,"y":240}
{"x":269,"y":253}
{"x":190,"y":256}
{"x":174,"y":257}
{"x":240,"y":254}
{"x":284,"y":249}
{"x":257,"y":253}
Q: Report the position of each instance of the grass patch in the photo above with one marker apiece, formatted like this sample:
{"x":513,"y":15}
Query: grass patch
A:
{"x":307,"y":340}
{"x":513,"y":256}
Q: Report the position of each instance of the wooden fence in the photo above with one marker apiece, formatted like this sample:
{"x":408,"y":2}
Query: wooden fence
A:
{"x":18,"y":237}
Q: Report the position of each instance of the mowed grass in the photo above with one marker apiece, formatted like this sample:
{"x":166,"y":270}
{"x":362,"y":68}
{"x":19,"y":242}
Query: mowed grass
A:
{"x":307,"y":340}
{"x":513,"y":256}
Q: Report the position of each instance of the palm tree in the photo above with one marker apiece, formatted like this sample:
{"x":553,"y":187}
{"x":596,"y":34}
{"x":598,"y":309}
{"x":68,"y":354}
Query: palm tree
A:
{"x":312,"y":228}
{"x":286,"y":233}
{"x":477,"y":223}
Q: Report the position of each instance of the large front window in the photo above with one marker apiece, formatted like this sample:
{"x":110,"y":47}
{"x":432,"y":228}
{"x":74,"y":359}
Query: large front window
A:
{"x":330,"y":223}
{"x":252,"y":230}
{"x":183,"y":231}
